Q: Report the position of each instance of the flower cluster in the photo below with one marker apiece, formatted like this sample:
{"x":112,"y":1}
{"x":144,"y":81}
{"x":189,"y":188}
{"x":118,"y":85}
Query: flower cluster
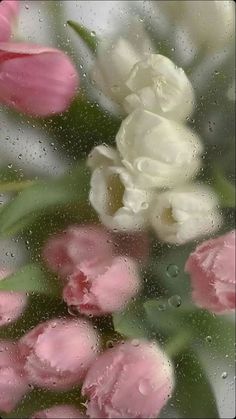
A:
{"x":139,"y":368}
{"x":147,"y":180}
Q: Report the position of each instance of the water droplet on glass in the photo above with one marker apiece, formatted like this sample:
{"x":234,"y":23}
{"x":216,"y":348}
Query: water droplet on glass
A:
{"x":175,"y":301}
{"x":135,"y":342}
{"x":208,"y":339}
{"x":161,"y":306}
{"x":110,"y":344}
{"x":224,"y":375}
{"x":92,"y":33}
{"x":172,"y":271}
{"x":73,"y":311}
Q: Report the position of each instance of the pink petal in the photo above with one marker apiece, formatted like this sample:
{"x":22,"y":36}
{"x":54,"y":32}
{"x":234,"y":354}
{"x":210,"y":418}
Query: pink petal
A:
{"x":8,"y":12}
{"x":212,"y":271}
{"x":36,"y":80}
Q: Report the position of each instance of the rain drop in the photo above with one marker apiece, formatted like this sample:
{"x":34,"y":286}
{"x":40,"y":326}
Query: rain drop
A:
{"x":175,"y":301}
{"x":172,"y":271}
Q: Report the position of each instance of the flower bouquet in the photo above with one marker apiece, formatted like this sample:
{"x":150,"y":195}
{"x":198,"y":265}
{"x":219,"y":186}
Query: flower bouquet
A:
{"x":122,"y":304}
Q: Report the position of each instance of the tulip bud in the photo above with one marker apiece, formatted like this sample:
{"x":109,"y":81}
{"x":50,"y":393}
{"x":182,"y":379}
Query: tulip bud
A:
{"x":184,"y":214}
{"x":88,"y":245}
{"x":158,"y":152}
{"x":104,"y":292}
{"x":13,"y":382}
{"x":115,"y":59}
{"x":59,"y":412}
{"x":212,"y":271}
{"x":157,"y":85}
{"x":131,"y":380}
{"x":8,"y":12}
{"x":12,"y":304}
{"x":120,"y":204}
{"x":36,"y":80}
{"x":58,"y":353}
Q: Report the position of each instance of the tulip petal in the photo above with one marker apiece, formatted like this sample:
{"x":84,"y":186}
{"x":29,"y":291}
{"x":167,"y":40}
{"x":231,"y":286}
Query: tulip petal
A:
{"x":8,"y":12}
{"x":36,"y":80}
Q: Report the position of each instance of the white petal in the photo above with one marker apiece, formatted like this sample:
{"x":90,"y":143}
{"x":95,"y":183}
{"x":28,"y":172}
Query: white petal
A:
{"x":185,"y":214}
{"x":158,"y":152}
{"x":118,"y":203}
{"x":102,"y":156}
{"x":157,"y":85}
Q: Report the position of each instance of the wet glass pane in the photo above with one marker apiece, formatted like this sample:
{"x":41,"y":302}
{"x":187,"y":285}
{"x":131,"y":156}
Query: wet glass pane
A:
{"x":117,"y":209}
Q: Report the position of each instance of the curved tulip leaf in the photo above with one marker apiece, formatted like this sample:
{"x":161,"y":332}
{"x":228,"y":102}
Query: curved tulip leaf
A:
{"x":88,"y":37}
{"x":31,"y":279}
{"x":30,"y":202}
{"x":193,"y":397}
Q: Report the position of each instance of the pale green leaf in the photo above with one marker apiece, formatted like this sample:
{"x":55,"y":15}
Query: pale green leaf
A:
{"x":31,"y":279}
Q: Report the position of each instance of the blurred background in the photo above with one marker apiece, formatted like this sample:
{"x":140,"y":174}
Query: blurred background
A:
{"x":36,"y":152}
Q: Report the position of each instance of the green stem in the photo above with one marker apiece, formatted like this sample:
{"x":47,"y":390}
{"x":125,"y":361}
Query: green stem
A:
{"x":178,"y":343}
{"x":224,"y":189}
{"x":15,"y":186}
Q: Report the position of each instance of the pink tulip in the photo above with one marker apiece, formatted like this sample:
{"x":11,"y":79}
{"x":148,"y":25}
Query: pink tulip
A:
{"x":13,"y":382}
{"x":131,"y":380}
{"x":103,"y":292}
{"x":88,"y":246}
{"x":36,"y":80}
{"x":212,"y":270}
{"x":8,"y":12}
{"x":59,"y":352}
{"x":12,"y":304}
{"x":59,"y":412}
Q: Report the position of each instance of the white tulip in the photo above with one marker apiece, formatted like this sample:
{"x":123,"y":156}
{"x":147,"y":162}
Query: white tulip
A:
{"x":118,"y":202}
{"x":157,"y":152}
{"x":181,"y":215}
{"x":156,"y":84}
{"x":115,"y":59}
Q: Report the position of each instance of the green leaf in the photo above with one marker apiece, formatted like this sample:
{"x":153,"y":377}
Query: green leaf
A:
{"x":214,"y":333}
{"x":87,"y":36}
{"x":31,"y":279}
{"x":193,"y":397}
{"x":41,"y":196}
{"x":15,"y":186}
{"x":224,"y":189}
{"x":131,"y":322}
{"x":164,"y":318}
{"x":164,"y":262}
{"x":10,"y":174}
